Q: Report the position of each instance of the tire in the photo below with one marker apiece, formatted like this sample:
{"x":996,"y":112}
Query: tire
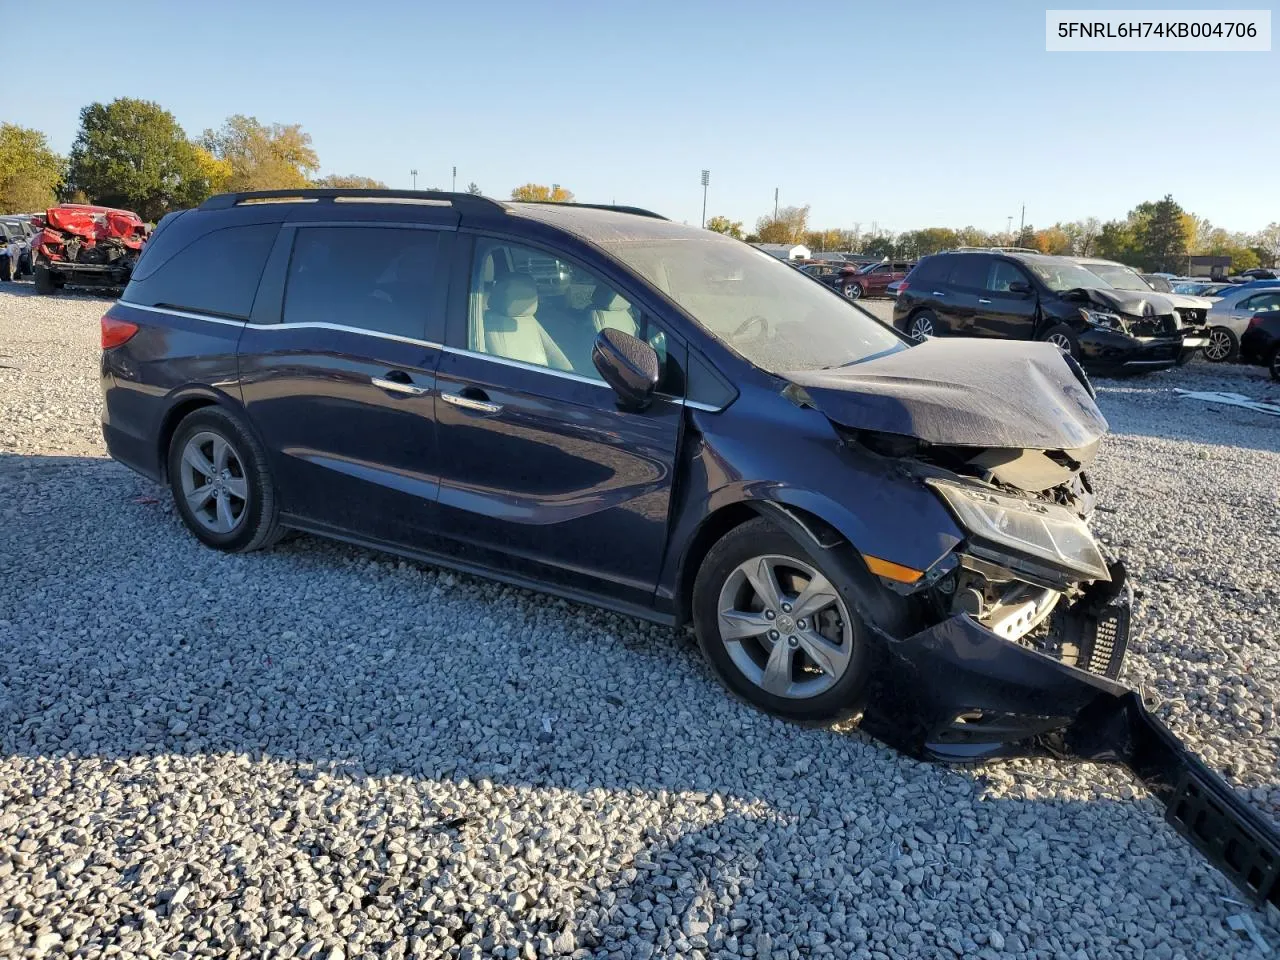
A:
{"x":44,"y":279}
{"x":852,"y":290}
{"x":251,"y":521}
{"x":743,"y":664}
{"x":1064,"y":338}
{"x":922,"y":325}
{"x":1273,"y":365}
{"x":1223,"y":346}
{"x":6,"y":271}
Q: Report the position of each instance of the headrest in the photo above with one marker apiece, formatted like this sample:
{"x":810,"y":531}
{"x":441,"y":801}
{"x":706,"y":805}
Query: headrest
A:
{"x":603,"y":298}
{"x":514,"y":296}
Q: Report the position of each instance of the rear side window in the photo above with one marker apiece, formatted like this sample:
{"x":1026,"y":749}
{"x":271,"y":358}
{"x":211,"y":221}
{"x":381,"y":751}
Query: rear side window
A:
{"x":928,"y":269}
{"x":381,"y":279}
{"x":969,"y":270}
{"x":217,"y":273}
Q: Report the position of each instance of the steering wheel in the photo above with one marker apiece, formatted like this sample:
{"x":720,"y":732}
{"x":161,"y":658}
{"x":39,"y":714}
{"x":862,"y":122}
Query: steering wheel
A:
{"x":755,"y":320}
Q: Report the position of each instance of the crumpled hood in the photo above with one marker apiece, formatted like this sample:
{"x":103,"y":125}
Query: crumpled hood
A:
{"x":1185,"y":301}
{"x":978,"y":393}
{"x":1127,"y":302}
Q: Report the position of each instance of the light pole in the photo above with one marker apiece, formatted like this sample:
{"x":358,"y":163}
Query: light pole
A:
{"x":706,"y":179}
{"x":414,"y":173}
{"x":775,"y":204}
{"x":455,"y":178}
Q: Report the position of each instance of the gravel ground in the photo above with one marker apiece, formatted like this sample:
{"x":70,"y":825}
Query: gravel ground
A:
{"x":322,"y":752}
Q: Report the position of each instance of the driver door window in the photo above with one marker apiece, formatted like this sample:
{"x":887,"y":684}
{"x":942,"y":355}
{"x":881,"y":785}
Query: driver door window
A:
{"x":529,"y":306}
{"x":1001,"y":275}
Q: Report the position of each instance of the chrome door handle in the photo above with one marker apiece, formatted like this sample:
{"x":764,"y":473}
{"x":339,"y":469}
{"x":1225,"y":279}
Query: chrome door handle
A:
{"x":398,"y":387}
{"x":939,"y":293}
{"x":980,"y":300}
{"x":468,"y":403}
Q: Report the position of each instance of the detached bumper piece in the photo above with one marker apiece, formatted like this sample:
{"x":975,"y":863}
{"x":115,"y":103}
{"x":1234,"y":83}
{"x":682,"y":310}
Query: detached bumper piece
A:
{"x":957,"y":692}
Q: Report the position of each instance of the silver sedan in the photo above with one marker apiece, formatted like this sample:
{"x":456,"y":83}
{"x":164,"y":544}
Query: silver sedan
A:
{"x":1229,"y":317}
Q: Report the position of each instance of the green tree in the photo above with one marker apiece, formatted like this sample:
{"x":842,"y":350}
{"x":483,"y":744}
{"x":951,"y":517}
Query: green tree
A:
{"x":473,"y":189}
{"x":262,"y":156}
{"x":790,"y":226}
{"x":1268,"y":244}
{"x":880,"y":245}
{"x":536,"y":191}
{"x":132,"y":153}
{"x":1160,"y":235}
{"x":1116,"y":242}
{"x":348,"y":181}
{"x":732,"y":228}
{"x":30,"y":172}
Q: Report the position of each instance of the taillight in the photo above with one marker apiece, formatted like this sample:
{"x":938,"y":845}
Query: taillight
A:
{"x":1255,"y":321}
{"x":902,"y":286}
{"x":116,"y":332}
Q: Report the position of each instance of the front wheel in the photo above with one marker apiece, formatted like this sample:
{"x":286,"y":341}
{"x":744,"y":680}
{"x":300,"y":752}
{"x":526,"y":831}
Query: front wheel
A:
{"x":853,"y":290}
{"x":221,"y":484}
{"x":777,"y":629}
{"x":1223,"y":346}
{"x":1274,"y":365}
{"x":6,"y":271}
{"x":43,"y":279}
{"x":1064,"y":338}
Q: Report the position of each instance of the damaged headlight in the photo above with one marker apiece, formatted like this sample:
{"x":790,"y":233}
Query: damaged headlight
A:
{"x":1100,"y":318}
{"x":1042,"y":532}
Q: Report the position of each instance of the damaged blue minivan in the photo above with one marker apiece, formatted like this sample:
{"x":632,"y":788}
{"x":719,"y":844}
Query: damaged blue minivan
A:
{"x":605,"y":405}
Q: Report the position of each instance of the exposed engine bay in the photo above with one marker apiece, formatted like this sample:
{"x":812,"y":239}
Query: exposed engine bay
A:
{"x":1136,"y":314}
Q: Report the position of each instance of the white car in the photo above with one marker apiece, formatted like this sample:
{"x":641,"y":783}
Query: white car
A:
{"x":15,"y":250}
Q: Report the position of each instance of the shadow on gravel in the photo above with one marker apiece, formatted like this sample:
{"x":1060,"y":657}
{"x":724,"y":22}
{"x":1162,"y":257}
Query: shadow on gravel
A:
{"x":1148,"y":406}
{"x":123,"y":638}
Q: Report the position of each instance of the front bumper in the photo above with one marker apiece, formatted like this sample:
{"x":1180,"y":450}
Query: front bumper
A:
{"x":958,"y":692}
{"x":1114,"y":351}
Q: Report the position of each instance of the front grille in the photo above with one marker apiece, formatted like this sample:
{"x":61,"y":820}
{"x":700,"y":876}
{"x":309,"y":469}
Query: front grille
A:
{"x":1104,"y":647}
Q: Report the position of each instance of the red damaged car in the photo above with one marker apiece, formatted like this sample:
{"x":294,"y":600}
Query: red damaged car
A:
{"x":86,"y":246}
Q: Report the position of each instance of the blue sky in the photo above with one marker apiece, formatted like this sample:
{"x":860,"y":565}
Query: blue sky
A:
{"x":905,"y":114}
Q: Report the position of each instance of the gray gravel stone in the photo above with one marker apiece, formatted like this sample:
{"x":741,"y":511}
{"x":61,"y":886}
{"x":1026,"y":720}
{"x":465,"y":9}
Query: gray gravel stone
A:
{"x":336,"y":753}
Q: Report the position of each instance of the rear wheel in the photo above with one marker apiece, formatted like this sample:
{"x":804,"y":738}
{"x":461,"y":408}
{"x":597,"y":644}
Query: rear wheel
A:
{"x":44,"y":279}
{"x":221,"y":483}
{"x":6,"y":270}
{"x":852,"y":290}
{"x":1064,"y":338}
{"x":1274,"y":364}
{"x":778,"y":629}
{"x":923,"y":325}
{"x":1223,"y":346}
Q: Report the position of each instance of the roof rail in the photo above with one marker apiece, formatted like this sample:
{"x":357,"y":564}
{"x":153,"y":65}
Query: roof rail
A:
{"x":991,"y":250}
{"x":460,"y":201}
{"x":637,"y":211}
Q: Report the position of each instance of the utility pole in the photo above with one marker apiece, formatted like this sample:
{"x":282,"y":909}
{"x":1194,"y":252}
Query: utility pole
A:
{"x":1008,"y":229}
{"x":775,"y":203}
{"x":1022,"y":224}
{"x":706,"y":179}
{"x":455,"y":178}
{"x":414,"y":173}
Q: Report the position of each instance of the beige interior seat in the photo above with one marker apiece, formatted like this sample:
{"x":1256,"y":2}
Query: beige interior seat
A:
{"x":610,"y":310}
{"x":511,"y":327}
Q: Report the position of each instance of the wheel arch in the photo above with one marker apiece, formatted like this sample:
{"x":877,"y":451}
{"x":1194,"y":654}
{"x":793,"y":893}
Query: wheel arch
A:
{"x":184,"y":402}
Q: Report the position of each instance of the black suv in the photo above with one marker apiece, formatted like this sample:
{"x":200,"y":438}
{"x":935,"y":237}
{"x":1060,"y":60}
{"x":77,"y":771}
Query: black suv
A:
{"x":1019,"y":295}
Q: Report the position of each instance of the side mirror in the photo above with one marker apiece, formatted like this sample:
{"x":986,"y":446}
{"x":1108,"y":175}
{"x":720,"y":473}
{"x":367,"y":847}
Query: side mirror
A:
{"x":627,"y":364}
{"x":1020,"y":287}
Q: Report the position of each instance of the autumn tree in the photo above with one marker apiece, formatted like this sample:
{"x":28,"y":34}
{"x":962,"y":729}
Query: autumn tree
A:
{"x":1268,"y":242}
{"x":789,"y":226}
{"x":133,"y":154}
{"x":731,"y":228}
{"x":822,"y":239}
{"x":536,"y":191}
{"x":29,"y":171}
{"x":263,"y":156}
{"x":348,"y":181}
{"x":1054,"y":240}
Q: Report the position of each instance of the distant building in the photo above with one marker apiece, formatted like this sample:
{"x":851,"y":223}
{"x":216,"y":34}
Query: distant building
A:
{"x":1216,"y":268}
{"x":784,"y":251}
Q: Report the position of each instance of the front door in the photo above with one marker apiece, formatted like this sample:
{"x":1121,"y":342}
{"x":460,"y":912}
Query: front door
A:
{"x":540,"y":467}
{"x":1001,"y":312}
{"x":342,"y":387}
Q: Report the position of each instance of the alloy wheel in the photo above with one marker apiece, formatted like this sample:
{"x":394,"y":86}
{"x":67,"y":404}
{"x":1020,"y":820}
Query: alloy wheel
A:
{"x":785,"y":626}
{"x":853,"y":291}
{"x":213,"y":482}
{"x":1061,"y":341}
{"x":921,"y":328}
{"x":1219,"y":346}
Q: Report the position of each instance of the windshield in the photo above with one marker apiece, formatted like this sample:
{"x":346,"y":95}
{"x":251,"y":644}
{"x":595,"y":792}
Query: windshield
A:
{"x":774,"y":316}
{"x":1062,"y":275}
{"x":1122,"y":278}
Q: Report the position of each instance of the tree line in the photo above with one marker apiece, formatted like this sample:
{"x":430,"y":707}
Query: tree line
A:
{"x":1155,"y":236}
{"x":134,"y":154}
